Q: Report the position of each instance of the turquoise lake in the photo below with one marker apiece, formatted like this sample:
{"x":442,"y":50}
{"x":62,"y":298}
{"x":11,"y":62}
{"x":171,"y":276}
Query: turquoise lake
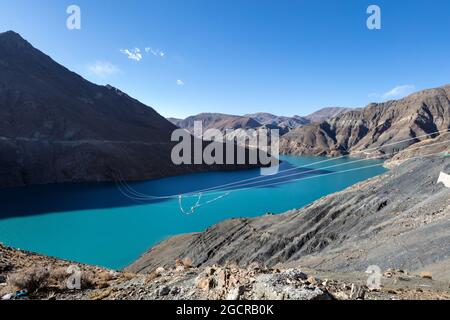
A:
{"x":97,"y":224}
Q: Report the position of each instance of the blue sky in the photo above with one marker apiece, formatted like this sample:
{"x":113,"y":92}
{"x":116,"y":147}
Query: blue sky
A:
{"x":244,"y":56}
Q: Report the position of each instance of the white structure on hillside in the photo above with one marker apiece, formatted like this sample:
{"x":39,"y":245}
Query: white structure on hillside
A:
{"x":445,"y":179}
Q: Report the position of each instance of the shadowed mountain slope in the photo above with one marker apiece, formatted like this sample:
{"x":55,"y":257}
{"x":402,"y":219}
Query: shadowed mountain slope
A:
{"x":57,"y":127}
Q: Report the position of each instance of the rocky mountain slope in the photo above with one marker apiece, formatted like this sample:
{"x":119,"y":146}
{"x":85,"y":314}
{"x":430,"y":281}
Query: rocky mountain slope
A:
{"x":57,"y":127}
{"x":419,"y":114}
{"x":397,"y":220}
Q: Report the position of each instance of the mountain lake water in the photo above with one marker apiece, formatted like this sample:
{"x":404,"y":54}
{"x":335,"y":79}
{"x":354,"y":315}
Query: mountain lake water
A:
{"x":97,"y":224}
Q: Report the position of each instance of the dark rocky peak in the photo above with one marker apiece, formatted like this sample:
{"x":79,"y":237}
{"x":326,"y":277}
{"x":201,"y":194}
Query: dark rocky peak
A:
{"x":11,"y":40}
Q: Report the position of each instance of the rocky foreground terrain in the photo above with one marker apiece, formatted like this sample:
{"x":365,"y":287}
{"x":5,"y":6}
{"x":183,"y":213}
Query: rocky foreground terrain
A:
{"x":24,"y":275}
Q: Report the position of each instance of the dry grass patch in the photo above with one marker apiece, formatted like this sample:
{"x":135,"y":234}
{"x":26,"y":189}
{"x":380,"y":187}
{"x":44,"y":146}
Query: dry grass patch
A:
{"x":30,"y":279}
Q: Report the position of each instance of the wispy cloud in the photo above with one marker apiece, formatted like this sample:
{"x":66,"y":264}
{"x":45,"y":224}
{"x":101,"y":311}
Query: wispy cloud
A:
{"x":133,"y":54}
{"x":155,"y":52}
{"x":395,"y":93}
{"x":180,"y":83}
{"x":137,"y":55}
{"x":103,"y":69}
{"x":399,"y":91}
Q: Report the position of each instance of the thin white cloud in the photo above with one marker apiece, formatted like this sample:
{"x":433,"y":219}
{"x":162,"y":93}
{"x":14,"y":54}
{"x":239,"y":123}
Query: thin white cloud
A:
{"x":180,"y":83}
{"x":103,"y":69}
{"x":133,"y":54}
{"x":399,"y":91}
{"x":155,"y":52}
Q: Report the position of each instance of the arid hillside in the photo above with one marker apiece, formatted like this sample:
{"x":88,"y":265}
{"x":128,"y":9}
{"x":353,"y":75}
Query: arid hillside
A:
{"x":411,"y":119}
{"x":56,"y":127}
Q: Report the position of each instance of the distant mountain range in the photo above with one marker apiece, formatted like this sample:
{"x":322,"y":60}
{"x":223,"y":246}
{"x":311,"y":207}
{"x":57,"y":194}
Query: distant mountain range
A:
{"x":278,"y":121}
{"x":217,"y":121}
{"x":343,"y":131}
{"x":326,"y":114}
{"x":256,"y":120}
{"x":57,"y":127}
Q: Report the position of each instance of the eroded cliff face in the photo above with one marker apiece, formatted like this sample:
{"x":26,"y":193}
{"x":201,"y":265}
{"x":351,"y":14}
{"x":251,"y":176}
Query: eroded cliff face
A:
{"x":359,"y":132}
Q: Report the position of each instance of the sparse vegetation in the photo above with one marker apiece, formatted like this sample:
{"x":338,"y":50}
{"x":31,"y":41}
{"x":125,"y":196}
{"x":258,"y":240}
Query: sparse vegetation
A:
{"x":31,"y":279}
